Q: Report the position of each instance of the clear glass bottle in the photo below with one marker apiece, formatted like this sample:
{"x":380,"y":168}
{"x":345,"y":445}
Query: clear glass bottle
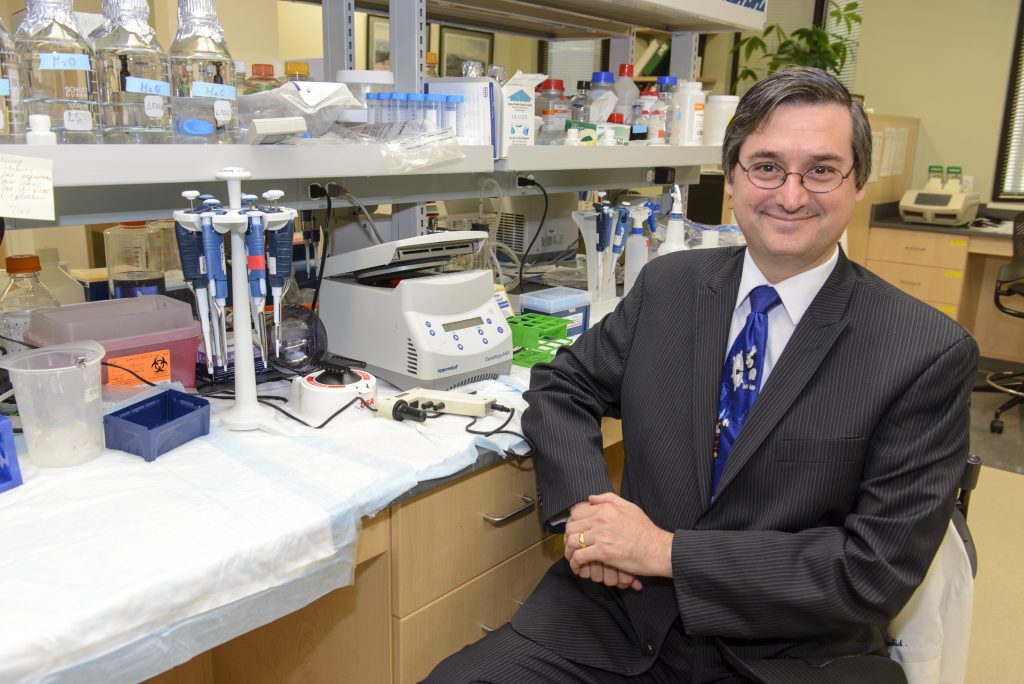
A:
{"x":134,"y":264}
{"x":134,"y":73}
{"x":552,"y":131}
{"x":57,"y":71}
{"x":12,"y":121}
{"x":663,"y":113}
{"x":579,"y":106}
{"x":202,"y":77}
{"x":23,"y":295}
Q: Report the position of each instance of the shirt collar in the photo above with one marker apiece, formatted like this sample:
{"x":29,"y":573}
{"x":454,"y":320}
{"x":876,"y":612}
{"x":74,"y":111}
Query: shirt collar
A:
{"x":796,"y":293}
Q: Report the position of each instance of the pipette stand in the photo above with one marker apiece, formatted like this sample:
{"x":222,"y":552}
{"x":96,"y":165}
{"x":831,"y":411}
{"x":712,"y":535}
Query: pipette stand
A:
{"x":246,"y":413}
{"x":601,"y":302}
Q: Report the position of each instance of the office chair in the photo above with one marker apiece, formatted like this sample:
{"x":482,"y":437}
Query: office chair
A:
{"x":930,"y":636}
{"x":1010,"y":286}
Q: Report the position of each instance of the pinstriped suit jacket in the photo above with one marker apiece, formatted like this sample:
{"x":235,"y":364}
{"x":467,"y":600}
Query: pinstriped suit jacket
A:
{"x":835,"y":496}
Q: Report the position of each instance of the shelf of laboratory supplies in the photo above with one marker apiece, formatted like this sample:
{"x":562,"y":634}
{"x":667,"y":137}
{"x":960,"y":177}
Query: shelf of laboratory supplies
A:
{"x":560,"y":158}
{"x":559,"y":19}
{"x":118,"y":165}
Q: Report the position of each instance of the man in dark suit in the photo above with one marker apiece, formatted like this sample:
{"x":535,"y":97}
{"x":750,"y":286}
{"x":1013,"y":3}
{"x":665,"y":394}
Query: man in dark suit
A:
{"x":771,"y":543}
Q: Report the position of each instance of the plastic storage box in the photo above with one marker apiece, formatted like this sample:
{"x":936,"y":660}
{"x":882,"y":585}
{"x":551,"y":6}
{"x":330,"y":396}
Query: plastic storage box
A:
{"x":10,"y":473}
{"x":562,"y":302}
{"x":157,"y":424}
{"x":153,"y":335}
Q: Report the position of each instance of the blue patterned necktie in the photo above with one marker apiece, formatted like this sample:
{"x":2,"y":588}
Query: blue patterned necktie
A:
{"x":741,"y":377}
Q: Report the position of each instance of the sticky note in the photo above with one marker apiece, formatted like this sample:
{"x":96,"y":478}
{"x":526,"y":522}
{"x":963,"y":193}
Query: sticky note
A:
{"x":26,"y":188}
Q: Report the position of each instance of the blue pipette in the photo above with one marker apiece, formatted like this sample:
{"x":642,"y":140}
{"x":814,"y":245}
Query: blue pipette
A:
{"x":216,"y":276}
{"x":256,"y":261}
{"x":193,"y":268}
{"x":279,"y":261}
{"x":622,"y":221}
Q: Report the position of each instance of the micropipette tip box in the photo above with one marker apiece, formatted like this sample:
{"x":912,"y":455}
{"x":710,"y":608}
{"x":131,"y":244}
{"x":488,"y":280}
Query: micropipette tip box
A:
{"x":10,"y":472}
{"x":157,"y":424}
{"x":561,"y":302}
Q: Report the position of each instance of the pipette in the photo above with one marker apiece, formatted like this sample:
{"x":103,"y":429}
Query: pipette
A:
{"x":256,"y":262}
{"x":193,"y":268}
{"x":618,"y":243}
{"x":216,"y":277}
{"x":279,"y":262}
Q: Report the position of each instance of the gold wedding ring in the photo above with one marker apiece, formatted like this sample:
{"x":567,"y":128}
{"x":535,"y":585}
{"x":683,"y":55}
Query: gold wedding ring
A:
{"x":581,"y":540}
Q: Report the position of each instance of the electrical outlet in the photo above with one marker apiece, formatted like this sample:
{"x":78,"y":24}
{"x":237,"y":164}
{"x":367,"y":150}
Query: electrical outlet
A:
{"x":316,"y":191}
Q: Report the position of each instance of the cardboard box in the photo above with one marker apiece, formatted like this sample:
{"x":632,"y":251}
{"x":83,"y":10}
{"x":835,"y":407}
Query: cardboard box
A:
{"x":517,"y":116}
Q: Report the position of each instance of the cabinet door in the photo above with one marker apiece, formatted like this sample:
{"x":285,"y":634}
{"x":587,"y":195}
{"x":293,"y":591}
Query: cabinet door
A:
{"x":922,"y":248}
{"x":939,"y":285}
{"x":429,"y":635}
{"x":443,"y":539}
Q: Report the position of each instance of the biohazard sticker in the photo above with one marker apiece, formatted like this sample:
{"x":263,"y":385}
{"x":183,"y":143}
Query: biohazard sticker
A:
{"x":154,"y":366}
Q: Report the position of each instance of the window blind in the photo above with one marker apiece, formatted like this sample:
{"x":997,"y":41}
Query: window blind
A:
{"x":573,"y":60}
{"x":1009,"y":186}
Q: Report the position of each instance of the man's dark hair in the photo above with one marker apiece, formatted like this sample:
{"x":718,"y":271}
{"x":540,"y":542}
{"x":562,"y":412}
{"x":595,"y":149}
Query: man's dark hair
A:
{"x":799,"y":85}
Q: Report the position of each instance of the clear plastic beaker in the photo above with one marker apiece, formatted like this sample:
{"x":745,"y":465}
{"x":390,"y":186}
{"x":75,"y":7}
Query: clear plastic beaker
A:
{"x":60,"y":401}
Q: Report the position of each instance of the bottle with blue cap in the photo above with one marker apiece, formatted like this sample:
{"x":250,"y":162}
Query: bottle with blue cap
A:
{"x":202,"y":77}
{"x":663,"y":113}
{"x":602,"y":96}
{"x":134,"y":73}
{"x":58,"y":77}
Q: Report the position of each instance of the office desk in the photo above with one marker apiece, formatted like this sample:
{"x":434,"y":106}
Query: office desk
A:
{"x":954,"y":270}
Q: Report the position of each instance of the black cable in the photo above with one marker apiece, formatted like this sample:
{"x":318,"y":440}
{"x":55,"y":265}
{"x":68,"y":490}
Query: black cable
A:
{"x":536,"y":234}
{"x":500,"y":430}
{"x":329,"y":418}
{"x":128,"y":371}
{"x":323,"y":253}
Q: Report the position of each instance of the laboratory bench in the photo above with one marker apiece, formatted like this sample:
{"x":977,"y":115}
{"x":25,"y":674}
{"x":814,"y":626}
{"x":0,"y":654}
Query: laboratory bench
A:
{"x":952,"y":269}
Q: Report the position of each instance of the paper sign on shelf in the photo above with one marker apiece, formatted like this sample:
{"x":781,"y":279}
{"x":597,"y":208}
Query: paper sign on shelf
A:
{"x":26,"y":188}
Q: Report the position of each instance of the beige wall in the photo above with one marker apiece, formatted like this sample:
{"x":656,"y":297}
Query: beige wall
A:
{"x":947,"y":63}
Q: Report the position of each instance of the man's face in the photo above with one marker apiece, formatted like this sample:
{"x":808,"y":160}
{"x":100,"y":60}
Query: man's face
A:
{"x":790,"y":230}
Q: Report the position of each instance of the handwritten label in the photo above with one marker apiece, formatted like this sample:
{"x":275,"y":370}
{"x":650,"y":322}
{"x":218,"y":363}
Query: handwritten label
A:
{"x":64,"y":61}
{"x":77,"y":120}
{"x":5,"y":87}
{"x":215,"y":90}
{"x":26,"y":187}
{"x":154,"y":105}
{"x":222,"y":111}
{"x":147,"y":86}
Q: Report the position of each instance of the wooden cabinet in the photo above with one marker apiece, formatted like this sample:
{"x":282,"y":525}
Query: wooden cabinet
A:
{"x":928,"y":266}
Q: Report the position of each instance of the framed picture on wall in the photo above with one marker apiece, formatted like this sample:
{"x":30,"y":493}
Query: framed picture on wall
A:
{"x":460,"y":45}
{"x":378,"y":43}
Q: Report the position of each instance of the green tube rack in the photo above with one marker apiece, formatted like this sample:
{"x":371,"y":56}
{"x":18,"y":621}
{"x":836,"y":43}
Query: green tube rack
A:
{"x":538,"y":337}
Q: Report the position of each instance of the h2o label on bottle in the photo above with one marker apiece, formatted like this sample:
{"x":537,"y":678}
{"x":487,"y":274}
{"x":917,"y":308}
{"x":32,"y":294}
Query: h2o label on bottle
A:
{"x":215,"y":90}
{"x":147,"y":86}
{"x":222,"y":111}
{"x":64,"y":61}
{"x":154,"y":106}
{"x":77,"y":120}
{"x":5,"y":87}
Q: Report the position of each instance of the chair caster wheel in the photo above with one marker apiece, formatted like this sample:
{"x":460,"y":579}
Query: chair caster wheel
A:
{"x":996,"y":427}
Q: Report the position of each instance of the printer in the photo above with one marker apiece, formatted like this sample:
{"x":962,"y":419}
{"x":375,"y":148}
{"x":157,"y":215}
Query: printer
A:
{"x":393,"y":306}
{"x":943,"y":201}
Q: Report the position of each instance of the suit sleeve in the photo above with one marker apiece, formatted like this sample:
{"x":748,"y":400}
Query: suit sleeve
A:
{"x":750,"y":584}
{"x":566,"y":401}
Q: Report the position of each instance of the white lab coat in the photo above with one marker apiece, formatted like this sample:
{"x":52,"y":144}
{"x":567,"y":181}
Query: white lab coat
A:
{"x":931,"y":635}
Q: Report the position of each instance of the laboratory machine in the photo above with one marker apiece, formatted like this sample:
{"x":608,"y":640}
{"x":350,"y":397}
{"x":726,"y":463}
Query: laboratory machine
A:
{"x":943,"y":201}
{"x":393,"y":306}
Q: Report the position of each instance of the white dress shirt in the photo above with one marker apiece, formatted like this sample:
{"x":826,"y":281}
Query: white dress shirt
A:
{"x":796,"y":294}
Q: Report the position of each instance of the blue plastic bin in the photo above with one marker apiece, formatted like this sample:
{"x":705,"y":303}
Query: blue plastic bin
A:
{"x":157,"y":424}
{"x":10,"y":472}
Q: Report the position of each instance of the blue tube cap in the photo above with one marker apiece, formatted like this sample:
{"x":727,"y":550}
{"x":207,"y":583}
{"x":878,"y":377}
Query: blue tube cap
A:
{"x":195,"y":127}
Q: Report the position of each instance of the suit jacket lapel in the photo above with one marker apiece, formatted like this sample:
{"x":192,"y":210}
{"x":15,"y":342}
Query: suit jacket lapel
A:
{"x":818,"y":330}
{"x":713,"y":308}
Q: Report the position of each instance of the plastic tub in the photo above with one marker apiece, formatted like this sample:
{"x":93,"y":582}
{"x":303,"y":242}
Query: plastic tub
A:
{"x":10,"y":473}
{"x":60,"y":402}
{"x":561,"y":302}
{"x":157,"y":424}
{"x":152,"y":335}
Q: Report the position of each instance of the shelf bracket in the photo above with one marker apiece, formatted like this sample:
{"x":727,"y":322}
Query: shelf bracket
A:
{"x":339,"y":36}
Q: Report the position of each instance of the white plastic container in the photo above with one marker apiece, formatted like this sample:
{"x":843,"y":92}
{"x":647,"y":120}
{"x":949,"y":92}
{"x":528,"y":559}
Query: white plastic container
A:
{"x":60,"y":402}
{"x":717,"y":114}
{"x":39,"y":132}
{"x":626,"y":90}
{"x":689,"y":122}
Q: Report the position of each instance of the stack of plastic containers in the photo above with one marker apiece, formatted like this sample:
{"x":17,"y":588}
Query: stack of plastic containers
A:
{"x":57,"y":68}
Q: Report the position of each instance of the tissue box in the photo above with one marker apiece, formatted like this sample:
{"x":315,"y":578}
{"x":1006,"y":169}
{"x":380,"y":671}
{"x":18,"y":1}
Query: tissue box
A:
{"x":157,"y":424}
{"x":10,"y":473}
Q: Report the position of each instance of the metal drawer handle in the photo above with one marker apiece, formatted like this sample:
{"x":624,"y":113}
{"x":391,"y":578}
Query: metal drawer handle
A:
{"x":486,"y":629}
{"x":499,"y":520}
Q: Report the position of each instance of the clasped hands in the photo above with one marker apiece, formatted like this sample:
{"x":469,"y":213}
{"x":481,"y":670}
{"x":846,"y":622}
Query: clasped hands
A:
{"x":612,"y":541}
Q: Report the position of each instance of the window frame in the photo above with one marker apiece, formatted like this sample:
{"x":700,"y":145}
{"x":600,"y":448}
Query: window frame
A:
{"x":1014,"y":96}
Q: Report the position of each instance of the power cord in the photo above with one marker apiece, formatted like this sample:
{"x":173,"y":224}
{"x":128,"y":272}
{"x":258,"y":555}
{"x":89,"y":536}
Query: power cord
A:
{"x":500,"y":430}
{"x":326,"y":232}
{"x":523,"y":181}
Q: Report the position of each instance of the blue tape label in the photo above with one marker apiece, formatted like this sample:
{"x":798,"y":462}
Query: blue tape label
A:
{"x":216,"y":90}
{"x":64,"y":61}
{"x":147,"y":86}
{"x":5,"y":87}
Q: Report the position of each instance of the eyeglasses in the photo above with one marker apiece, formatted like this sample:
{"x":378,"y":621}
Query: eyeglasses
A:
{"x":768,"y":175}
